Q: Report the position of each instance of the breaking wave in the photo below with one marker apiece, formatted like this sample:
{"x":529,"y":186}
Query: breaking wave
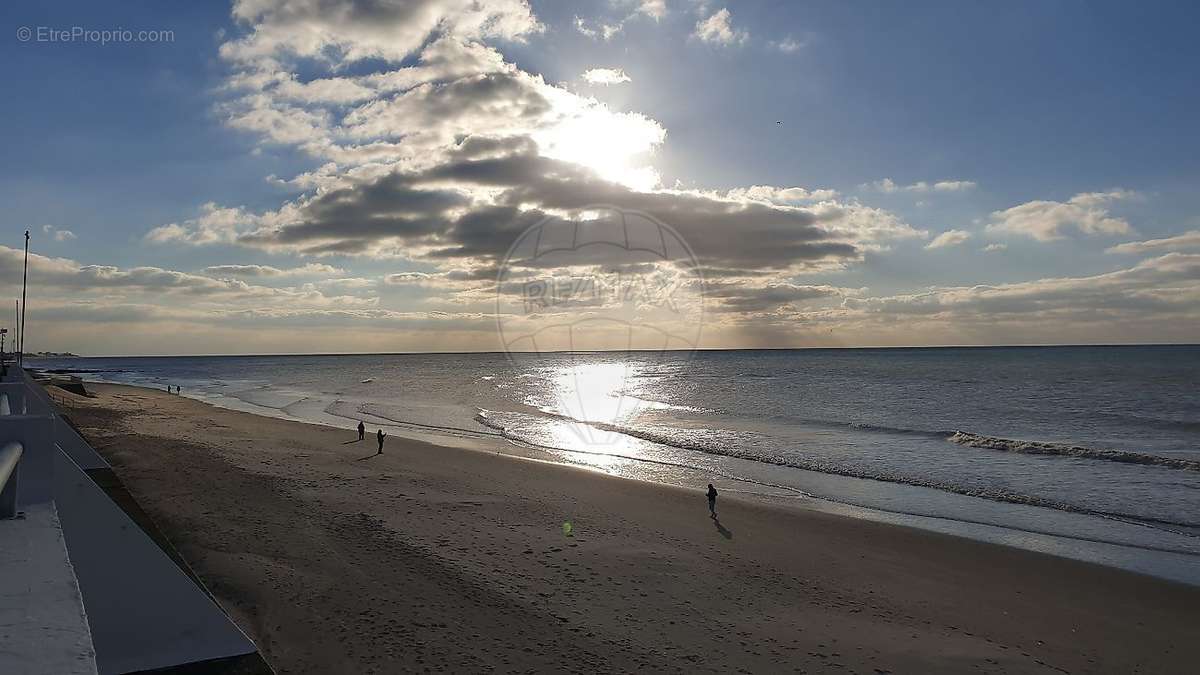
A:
{"x":1067,"y":450}
{"x":982,"y":441}
{"x":737,"y":451}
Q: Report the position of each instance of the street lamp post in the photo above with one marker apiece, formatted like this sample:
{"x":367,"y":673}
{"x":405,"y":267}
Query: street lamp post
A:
{"x":24,"y":283}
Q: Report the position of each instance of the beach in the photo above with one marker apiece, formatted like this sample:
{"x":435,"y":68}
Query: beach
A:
{"x":446,"y":558}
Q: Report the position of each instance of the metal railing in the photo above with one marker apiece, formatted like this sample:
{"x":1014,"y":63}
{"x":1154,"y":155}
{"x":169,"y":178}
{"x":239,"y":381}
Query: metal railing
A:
{"x":10,"y":458}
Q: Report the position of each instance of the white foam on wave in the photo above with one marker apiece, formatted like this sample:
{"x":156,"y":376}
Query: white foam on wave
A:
{"x":748,"y":452}
{"x":1067,"y":450}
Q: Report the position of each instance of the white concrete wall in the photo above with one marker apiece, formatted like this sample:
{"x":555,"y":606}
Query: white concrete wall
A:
{"x":142,"y":611}
{"x":43,"y":626}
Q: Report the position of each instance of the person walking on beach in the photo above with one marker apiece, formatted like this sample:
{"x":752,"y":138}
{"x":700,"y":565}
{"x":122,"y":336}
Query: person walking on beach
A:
{"x":712,"y":500}
{"x":379,"y":436}
{"x":362,"y":431}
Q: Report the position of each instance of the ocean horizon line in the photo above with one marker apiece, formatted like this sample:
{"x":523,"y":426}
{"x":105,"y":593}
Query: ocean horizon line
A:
{"x":1106,"y":345}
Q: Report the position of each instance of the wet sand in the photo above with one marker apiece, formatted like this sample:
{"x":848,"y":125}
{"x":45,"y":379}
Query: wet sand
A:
{"x":439,"y":558}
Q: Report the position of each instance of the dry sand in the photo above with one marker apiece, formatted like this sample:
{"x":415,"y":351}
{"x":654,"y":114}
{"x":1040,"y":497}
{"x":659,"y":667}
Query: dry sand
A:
{"x":442,"y":558}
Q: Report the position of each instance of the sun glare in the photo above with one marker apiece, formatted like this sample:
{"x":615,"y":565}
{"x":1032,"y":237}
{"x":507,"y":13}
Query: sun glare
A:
{"x":593,"y":392}
{"x":614,"y":145}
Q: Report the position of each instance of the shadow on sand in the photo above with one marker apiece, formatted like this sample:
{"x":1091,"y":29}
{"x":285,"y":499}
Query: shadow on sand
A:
{"x":357,"y":440}
{"x":728,"y":534}
{"x":367,"y":457}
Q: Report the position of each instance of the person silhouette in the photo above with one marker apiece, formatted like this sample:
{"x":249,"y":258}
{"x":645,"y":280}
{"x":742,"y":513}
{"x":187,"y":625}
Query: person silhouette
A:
{"x":712,"y":500}
{"x":362,"y":431}
{"x":379,"y":436}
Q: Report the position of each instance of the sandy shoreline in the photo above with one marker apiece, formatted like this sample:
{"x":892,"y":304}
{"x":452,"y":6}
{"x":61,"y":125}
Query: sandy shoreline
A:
{"x":446,"y":558}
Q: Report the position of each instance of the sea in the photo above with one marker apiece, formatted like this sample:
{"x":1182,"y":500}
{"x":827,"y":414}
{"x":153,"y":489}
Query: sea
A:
{"x":1091,"y":453}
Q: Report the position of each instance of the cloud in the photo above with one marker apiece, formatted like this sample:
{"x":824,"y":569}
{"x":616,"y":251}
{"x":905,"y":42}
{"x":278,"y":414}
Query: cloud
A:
{"x":949,"y":238}
{"x":1086,"y":213}
{"x":215,"y":225}
{"x":353,"y":30}
{"x":748,"y":298}
{"x":888,"y":186}
{"x":363,"y":318}
{"x":788,"y":45}
{"x":1128,"y":304}
{"x":445,"y":156}
{"x":607,"y":29}
{"x":873,"y":228}
{"x":403,"y":278}
{"x":655,"y":9}
{"x":1168,"y":284}
{"x":118,"y":284}
{"x":605,"y":76}
{"x":598,"y":30}
{"x":1155,"y":301}
{"x":473,"y":209}
{"x":953,"y":185}
{"x":134,"y":328}
{"x":1181,"y":242}
{"x":417,"y":112}
{"x":449,"y":156}
{"x":310,"y":269}
{"x":59,"y":235}
{"x":995,"y":247}
{"x":346,"y":284}
{"x":716,"y":29}
{"x":777,"y":195}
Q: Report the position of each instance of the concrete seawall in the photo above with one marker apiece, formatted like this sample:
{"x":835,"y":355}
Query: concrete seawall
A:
{"x":87,"y":583}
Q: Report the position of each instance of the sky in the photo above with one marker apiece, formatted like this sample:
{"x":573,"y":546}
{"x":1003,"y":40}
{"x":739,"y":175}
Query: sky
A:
{"x":383,"y":176}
